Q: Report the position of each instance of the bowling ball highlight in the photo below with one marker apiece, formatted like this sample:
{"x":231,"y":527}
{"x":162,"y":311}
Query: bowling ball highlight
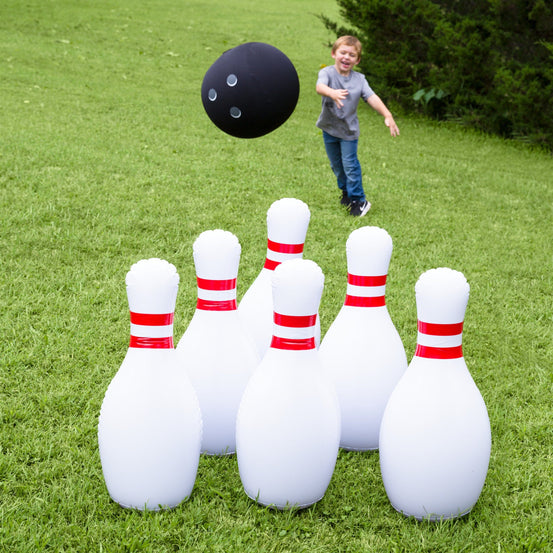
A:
{"x":250,"y":90}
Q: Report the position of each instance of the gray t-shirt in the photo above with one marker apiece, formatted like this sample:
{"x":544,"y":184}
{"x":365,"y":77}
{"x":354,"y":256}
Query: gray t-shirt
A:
{"x":342,"y":122}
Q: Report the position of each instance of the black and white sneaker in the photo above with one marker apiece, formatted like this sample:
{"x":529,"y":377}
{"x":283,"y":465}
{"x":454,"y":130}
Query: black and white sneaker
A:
{"x":345,"y":199}
{"x":359,"y":208}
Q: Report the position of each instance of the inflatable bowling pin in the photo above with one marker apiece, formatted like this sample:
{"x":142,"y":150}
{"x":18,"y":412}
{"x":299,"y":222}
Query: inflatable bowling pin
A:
{"x":150,"y":426}
{"x":288,"y":426}
{"x":216,"y":351}
{"x":435,"y":437}
{"x":287,"y":222}
{"x":362,"y":350}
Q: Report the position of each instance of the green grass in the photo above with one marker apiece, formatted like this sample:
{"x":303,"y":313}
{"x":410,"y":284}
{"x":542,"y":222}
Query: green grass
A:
{"x":107,"y":157}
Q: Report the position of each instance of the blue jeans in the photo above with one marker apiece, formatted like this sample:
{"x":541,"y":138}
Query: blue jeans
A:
{"x":345,"y":165}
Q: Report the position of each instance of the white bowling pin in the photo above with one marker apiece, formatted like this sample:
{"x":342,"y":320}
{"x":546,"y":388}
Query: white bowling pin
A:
{"x":287,"y":222}
{"x":216,"y":351}
{"x":150,"y":427}
{"x":362,"y":350}
{"x":288,"y":426}
{"x":435,"y":437}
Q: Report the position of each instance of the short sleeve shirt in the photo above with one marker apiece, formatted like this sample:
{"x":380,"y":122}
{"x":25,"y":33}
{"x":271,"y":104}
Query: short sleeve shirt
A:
{"x":342,"y":122}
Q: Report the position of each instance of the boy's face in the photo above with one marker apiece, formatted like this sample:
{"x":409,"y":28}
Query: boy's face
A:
{"x":345,"y":58}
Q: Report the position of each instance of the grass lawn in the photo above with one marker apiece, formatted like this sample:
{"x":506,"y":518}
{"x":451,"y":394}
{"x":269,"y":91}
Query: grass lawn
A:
{"x":107,"y":157}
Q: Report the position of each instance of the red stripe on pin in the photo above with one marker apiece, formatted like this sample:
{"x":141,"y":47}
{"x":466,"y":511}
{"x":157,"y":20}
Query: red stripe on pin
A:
{"x":360,"y":280}
{"x":151,"y":319}
{"x":211,"y":284}
{"x":212,"y":305}
{"x":365,"y":301}
{"x":271,"y":264}
{"x":295,"y":321}
{"x":151,"y":343}
{"x":436,"y":329}
{"x":284,"y":248}
{"x":430,"y":352}
{"x":293,"y":344}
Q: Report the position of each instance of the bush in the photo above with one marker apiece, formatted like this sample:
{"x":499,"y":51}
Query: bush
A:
{"x":486,"y":63}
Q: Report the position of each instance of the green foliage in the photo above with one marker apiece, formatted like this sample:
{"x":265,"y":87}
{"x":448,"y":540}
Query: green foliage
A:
{"x":492,"y":60}
{"x":431,"y":101}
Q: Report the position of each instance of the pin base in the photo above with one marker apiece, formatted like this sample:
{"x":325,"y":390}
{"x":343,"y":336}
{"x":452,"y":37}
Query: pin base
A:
{"x":432,"y":517}
{"x":361,"y":449}
{"x":286,"y":507}
{"x":225,"y":453}
{"x":146,"y":508}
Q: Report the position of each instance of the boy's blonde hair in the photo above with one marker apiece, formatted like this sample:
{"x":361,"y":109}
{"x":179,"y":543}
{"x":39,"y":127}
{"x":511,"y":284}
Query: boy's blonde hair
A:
{"x":348,"y":40}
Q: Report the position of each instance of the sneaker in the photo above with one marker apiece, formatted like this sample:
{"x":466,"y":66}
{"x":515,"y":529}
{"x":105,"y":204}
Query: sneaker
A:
{"x":345,"y":199}
{"x":359,"y":208}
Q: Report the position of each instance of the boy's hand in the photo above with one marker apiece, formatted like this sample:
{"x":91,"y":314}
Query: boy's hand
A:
{"x":378,"y":105}
{"x":336,"y":94}
{"x":339,"y":94}
{"x":391,"y":124}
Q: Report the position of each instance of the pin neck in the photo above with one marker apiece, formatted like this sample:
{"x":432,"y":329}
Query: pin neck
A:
{"x":366,"y":291}
{"x":294,"y":332}
{"x":151,"y":330}
{"x":293,"y":344}
{"x":151,"y":343}
{"x":278,"y":252}
{"x":439,"y":341}
{"x":216,"y":294}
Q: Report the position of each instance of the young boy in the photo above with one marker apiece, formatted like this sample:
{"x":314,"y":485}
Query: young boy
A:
{"x":341,"y":89}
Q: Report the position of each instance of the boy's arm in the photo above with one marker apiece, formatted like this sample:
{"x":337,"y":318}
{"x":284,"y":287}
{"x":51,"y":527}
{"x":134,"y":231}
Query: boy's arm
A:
{"x":378,"y":105}
{"x":337,"y":94}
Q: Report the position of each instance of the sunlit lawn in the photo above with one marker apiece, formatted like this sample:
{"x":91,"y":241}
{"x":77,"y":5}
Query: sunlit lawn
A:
{"x":107,"y":157}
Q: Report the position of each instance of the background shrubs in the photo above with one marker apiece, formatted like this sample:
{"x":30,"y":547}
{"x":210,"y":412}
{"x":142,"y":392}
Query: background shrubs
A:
{"x":486,"y":63}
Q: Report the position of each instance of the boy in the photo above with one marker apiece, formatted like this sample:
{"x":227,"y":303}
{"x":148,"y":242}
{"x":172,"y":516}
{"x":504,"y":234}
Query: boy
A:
{"x":341,"y":89}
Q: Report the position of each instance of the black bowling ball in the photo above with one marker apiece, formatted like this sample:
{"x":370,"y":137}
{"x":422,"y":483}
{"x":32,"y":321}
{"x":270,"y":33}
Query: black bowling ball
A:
{"x":250,"y":90}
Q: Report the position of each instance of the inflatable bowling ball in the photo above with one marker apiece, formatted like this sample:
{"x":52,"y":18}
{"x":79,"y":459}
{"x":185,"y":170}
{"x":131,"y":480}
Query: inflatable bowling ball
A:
{"x":250,"y":90}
